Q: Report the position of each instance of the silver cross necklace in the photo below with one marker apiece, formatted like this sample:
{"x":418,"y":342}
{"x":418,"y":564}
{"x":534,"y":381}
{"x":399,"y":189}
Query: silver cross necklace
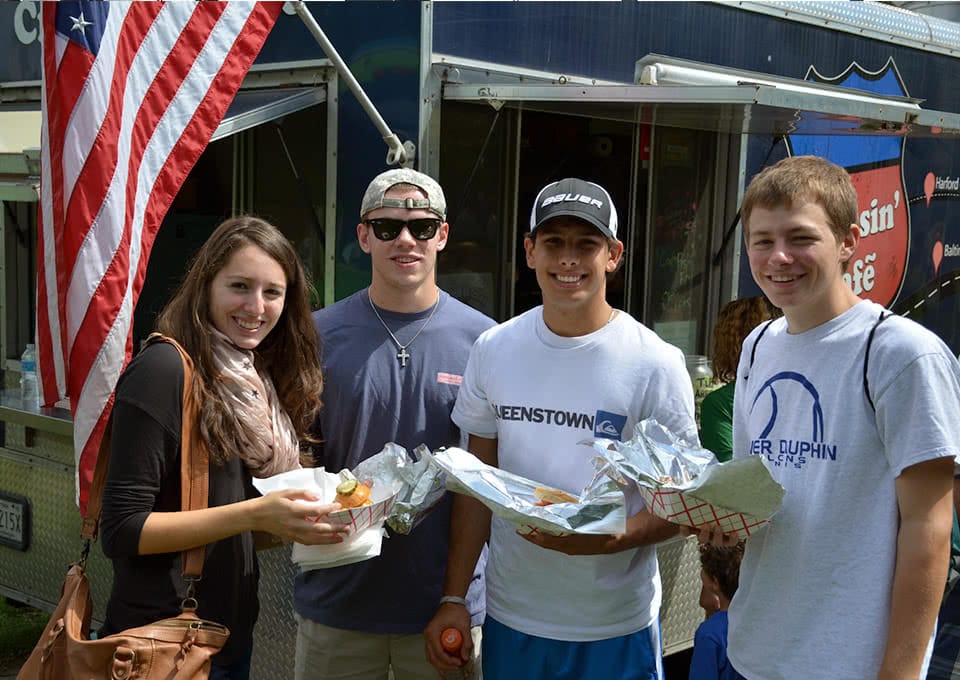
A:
{"x":403,"y":355}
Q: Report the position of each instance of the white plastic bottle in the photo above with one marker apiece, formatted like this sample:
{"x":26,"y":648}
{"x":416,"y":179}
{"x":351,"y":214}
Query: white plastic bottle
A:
{"x":29,"y":392}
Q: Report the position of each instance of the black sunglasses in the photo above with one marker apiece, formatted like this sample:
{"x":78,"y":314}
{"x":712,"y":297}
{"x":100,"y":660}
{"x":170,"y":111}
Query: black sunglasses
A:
{"x":389,"y":228}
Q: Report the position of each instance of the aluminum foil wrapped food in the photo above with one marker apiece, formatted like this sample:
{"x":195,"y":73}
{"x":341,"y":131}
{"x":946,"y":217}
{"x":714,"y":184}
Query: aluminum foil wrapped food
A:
{"x":597,"y":509}
{"x":423,"y":487}
{"x":685,"y":484}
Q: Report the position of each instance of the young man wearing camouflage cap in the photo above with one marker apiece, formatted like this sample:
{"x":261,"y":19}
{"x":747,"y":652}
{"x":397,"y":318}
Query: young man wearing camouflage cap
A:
{"x":572,"y":606}
{"x":393,"y":355}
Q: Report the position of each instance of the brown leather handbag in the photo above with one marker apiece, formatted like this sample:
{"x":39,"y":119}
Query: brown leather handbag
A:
{"x":177,"y":648}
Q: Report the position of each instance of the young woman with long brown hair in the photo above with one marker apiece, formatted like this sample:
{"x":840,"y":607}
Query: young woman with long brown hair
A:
{"x":242,"y":314}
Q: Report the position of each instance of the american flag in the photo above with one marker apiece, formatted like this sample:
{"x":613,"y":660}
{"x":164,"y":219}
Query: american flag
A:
{"x":132,"y":92}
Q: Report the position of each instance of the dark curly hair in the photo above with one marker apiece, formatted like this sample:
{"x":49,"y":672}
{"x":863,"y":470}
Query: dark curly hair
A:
{"x":722,"y":564}
{"x":289,"y":354}
{"x":736,"y":320}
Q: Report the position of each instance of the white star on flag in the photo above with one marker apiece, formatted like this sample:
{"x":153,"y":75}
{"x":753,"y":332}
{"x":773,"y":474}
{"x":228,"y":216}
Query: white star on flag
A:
{"x":79,"y":23}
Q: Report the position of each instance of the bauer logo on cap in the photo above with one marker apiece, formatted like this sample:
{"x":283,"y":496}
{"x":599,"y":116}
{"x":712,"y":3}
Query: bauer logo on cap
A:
{"x":575,"y":198}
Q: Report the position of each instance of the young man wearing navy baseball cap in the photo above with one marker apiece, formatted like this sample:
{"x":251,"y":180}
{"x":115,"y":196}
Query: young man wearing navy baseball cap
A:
{"x":574,"y":606}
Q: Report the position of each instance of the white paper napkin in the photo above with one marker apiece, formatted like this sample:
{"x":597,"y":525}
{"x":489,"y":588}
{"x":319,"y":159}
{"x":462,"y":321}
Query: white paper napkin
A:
{"x":359,"y":547}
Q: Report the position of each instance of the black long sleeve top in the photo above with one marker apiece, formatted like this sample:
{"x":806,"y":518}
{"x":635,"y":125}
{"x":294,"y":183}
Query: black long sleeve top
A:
{"x":144,"y":477}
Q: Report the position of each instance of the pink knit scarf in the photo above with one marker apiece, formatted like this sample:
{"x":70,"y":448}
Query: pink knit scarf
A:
{"x":273,"y":446}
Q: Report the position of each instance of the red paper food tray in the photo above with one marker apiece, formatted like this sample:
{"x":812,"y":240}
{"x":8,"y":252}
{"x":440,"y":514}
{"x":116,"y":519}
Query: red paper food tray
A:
{"x":676,"y":507}
{"x":358,"y":519}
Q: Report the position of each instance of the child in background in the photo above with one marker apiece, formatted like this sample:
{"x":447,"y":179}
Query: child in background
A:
{"x":719,"y":573}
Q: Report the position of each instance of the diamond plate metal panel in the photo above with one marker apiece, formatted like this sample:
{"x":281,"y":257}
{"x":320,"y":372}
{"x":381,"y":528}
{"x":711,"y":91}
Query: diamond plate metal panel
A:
{"x":55,"y":525}
{"x":680,"y":613}
{"x":276,"y":631}
{"x":38,"y":443}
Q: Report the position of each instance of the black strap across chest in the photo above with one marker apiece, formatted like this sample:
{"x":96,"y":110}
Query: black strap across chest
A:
{"x":866,"y":359}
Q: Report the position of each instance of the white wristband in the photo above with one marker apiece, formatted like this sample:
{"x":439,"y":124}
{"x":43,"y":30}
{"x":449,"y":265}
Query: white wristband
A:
{"x":453,"y":599}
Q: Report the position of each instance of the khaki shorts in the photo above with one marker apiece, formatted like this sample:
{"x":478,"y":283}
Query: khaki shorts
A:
{"x":326,"y":653}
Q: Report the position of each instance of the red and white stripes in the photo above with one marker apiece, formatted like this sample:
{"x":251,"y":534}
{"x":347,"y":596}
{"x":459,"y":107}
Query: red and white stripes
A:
{"x":122,"y":128}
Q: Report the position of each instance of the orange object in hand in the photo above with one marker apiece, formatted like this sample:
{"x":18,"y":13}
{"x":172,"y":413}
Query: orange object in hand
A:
{"x":451,"y":640}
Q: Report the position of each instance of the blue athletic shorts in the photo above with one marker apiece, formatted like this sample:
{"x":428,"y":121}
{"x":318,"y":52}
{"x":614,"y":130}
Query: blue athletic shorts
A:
{"x":509,"y":654}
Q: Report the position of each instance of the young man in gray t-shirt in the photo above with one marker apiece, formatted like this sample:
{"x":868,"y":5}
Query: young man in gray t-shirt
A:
{"x":854,"y":411}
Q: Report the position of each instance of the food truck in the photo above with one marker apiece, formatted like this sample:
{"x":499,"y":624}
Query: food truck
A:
{"x":673,"y":107}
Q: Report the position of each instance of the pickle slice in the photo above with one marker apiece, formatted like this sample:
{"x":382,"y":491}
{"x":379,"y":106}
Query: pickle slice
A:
{"x":346,"y":487}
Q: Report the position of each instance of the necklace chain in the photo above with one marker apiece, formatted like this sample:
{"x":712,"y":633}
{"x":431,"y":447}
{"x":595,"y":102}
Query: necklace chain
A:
{"x":403,"y":355}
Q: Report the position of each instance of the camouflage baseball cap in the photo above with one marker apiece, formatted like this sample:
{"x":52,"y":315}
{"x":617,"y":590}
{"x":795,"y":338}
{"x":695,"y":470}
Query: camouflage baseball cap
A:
{"x":373,"y":197}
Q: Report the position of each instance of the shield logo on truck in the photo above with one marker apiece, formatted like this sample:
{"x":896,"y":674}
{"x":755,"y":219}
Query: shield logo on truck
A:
{"x":874,"y":158}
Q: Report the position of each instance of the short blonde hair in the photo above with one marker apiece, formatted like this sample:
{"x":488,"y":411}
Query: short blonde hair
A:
{"x":801,"y":179}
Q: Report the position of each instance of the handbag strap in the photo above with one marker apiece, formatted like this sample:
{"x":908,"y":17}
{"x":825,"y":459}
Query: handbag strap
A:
{"x":194,"y":465}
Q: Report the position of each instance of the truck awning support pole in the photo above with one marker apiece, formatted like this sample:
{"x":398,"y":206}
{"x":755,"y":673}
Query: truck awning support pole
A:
{"x":397,"y":153}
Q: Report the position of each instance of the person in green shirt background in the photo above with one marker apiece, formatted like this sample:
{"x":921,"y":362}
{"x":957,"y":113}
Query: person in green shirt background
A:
{"x":736,"y":320}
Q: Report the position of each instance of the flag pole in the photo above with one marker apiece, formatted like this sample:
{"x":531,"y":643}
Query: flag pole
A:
{"x":396,"y":152}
